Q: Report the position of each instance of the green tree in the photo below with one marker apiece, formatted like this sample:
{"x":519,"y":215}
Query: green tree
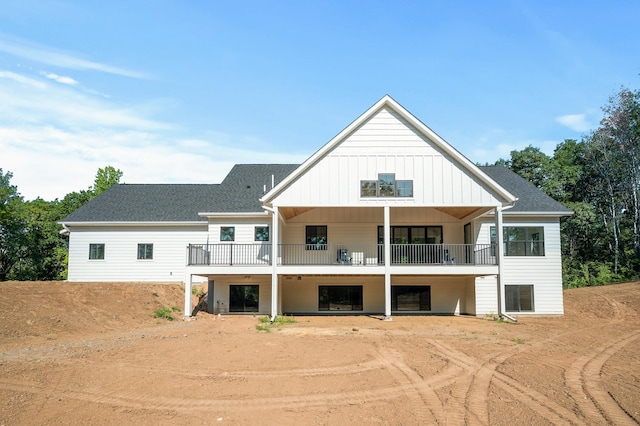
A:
{"x":105,"y":178}
{"x":12,"y":229}
{"x":530,"y":163}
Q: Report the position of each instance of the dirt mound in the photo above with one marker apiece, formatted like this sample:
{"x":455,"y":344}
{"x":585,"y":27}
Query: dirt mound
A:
{"x":93,"y":353}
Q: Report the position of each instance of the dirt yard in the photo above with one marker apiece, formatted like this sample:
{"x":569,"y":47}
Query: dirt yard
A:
{"x":79,"y":353}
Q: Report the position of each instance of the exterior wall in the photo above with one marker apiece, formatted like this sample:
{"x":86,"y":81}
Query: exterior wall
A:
{"x":486,"y":295}
{"x":543,"y":272}
{"x":448,"y":294}
{"x":244,"y":229}
{"x":120,"y":261}
{"x":386,"y":144}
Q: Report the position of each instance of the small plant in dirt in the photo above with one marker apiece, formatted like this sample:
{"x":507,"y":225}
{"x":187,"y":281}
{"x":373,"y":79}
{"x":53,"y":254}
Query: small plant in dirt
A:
{"x":164,"y":313}
{"x":155,"y":293}
{"x":519,"y":341}
{"x":197,"y":291}
{"x":266,"y":325}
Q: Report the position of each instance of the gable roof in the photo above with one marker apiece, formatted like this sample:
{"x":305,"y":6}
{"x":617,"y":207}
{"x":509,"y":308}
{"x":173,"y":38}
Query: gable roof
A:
{"x":391,"y":104}
{"x":531,"y":200}
{"x":239,"y":192}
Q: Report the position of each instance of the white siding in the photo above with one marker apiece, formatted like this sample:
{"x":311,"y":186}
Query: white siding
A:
{"x":386,"y":144}
{"x":121,"y":262}
{"x":543,"y":272}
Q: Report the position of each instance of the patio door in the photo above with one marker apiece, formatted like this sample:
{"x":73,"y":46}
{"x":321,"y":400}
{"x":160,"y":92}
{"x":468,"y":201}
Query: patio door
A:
{"x":413,"y":244}
{"x":244,"y":298}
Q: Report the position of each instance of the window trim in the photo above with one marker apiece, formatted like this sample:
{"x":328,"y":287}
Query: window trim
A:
{"x":145,"y":253}
{"x":350,"y":288}
{"x":386,"y":186}
{"x":95,"y":246}
{"x":232,"y":229}
{"x":527,"y":242}
{"x":518,"y":298}
{"x":255,"y":233}
{"x":316,"y":245}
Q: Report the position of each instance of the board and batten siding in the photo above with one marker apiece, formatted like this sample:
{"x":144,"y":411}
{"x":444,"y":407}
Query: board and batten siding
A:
{"x":121,"y":261}
{"x":543,"y":272}
{"x":386,"y":144}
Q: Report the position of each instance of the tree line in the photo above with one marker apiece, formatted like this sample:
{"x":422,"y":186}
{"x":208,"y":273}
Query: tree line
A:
{"x":31,"y":246}
{"x":598,"y":178}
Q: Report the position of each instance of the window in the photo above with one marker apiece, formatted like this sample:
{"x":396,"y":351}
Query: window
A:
{"x":386,"y":186}
{"x":518,"y":298}
{"x":244,"y":298}
{"x":340,"y":298}
{"x":96,"y":251}
{"x":262,"y":233}
{"x":410,"y":298}
{"x":227,"y":233}
{"x":316,"y":237}
{"x":521,"y":241}
{"x":145,"y":251}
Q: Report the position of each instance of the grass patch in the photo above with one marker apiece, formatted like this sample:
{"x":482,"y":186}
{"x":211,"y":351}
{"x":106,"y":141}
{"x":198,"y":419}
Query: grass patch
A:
{"x":267,"y":326}
{"x":155,"y":293}
{"x":165,"y":313}
{"x":197,"y":291}
{"x":519,"y":341}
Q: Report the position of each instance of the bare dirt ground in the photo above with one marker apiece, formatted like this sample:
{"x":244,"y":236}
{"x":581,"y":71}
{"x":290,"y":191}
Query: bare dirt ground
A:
{"x":80,"y":353}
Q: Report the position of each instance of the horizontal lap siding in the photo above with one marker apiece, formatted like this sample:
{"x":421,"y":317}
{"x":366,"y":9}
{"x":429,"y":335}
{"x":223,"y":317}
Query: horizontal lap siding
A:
{"x":386,"y":144}
{"x":121,"y":251}
{"x":544,"y":272}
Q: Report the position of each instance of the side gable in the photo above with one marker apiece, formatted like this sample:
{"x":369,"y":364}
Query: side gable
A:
{"x":388,"y":139}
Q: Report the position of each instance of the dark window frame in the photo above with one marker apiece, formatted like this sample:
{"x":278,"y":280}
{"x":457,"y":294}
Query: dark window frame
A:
{"x":519,"y":298}
{"x":145,"y":251}
{"x":227,"y":233}
{"x":327,"y":295}
{"x":386,"y":186}
{"x":259,"y":233}
{"x":316,"y":237}
{"x":424,"y":297}
{"x":531,"y":246}
{"x":235,"y":289}
{"x":96,"y":251}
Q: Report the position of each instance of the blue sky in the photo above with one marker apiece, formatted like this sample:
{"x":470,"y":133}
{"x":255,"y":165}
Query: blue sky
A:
{"x":179,"y":91}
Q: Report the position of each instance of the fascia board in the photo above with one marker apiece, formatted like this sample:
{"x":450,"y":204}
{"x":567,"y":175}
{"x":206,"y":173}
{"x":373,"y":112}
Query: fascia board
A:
{"x":239,"y":214}
{"x":115,"y":223}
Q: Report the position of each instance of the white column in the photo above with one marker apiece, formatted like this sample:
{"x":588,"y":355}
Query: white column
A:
{"x":500,"y":259}
{"x":187,"y":295}
{"x":387,"y":264}
{"x":275,"y":241}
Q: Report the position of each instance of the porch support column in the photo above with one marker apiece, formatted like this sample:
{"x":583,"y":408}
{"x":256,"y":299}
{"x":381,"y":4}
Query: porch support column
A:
{"x":387,"y":264}
{"x":187,"y":295}
{"x":500,"y":259}
{"x":275,"y":241}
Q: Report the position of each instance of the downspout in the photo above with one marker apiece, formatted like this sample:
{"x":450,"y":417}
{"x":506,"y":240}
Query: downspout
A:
{"x":274,"y":262}
{"x":499,"y":235}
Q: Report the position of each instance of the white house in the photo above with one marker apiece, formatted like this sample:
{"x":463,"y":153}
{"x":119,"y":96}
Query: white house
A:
{"x":386,"y":218}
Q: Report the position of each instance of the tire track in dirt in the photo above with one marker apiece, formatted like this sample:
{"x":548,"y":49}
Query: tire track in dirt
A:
{"x":485,"y":373}
{"x":583,"y":379}
{"x":133,"y":399}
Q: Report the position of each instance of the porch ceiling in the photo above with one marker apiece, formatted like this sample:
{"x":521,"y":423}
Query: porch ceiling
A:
{"x":459,"y":212}
{"x":291,"y":212}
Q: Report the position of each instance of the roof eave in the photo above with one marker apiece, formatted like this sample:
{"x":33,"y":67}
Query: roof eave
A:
{"x":233,"y":214}
{"x":133,"y":223}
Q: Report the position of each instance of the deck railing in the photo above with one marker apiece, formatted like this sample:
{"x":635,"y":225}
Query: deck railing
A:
{"x":340,"y":254}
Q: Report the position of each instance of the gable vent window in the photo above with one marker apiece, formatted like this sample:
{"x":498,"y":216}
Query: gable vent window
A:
{"x":386,"y":186}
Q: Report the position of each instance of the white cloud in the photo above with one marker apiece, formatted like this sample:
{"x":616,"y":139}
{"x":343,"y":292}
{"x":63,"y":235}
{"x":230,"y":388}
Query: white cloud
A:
{"x":60,"y":79}
{"x":25,"y":99}
{"x":48,"y":55}
{"x":576,"y":122}
{"x":50,"y":162}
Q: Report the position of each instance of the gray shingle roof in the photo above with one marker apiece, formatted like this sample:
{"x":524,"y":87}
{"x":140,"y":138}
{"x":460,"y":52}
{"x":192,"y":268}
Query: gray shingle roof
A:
{"x":530,"y":198}
{"x":240,"y":192}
